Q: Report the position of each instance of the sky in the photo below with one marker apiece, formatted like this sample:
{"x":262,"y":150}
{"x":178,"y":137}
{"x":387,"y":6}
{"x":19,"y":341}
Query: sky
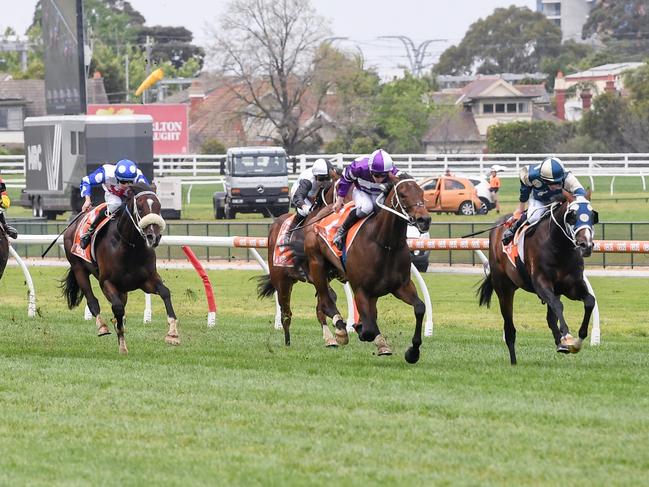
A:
{"x":360,"y":21}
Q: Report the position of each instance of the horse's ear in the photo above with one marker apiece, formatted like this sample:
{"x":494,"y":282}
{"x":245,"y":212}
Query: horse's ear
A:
{"x":589,"y":193}
{"x":568,"y":196}
{"x":154,"y":187}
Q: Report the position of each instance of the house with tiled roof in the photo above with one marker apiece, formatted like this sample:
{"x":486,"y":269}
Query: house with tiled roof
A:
{"x":22,"y":98}
{"x":464,"y":115}
{"x":218,"y":111}
{"x":574,"y":92}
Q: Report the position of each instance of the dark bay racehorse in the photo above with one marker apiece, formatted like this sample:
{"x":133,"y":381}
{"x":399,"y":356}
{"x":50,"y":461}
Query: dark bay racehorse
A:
{"x":4,"y":250}
{"x":554,"y":266}
{"x":125,"y":261}
{"x":282,"y":279}
{"x":378,"y":263}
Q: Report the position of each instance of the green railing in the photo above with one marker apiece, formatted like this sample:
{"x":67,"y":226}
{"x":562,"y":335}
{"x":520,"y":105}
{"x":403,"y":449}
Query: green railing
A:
{"x":607,"y":231}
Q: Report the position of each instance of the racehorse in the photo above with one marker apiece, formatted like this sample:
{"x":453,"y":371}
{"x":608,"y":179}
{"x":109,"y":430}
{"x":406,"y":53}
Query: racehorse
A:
{"x":282,"y":279}
{"x":4,"y":250}
{"x":378,"y":263}
{"x":553,"y":266}
{"x":125,"y":261}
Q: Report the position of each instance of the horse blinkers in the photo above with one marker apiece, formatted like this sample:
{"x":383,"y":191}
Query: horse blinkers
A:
{"x":581,"y":217}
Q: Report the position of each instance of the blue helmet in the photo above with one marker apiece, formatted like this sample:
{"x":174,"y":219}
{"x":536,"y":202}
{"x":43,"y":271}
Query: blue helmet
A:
{"x":552,"y":171}
{"x":126,"y":170}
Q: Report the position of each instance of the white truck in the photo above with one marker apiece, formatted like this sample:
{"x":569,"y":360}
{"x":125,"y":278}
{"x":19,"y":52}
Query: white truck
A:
{"x":256,"y":181}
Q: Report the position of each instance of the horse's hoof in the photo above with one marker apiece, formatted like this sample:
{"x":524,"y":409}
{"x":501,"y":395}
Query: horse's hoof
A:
{"x":103,"y":331}
{"x":331,"y":343}
{"x":342,"y":338}
{"x":568,"y":344}
{"x":412,"y":355}
{"x":172,"y":339}
{"x":123,"y":350}
{"x":576,"y":346}
{"x":382,"y":347}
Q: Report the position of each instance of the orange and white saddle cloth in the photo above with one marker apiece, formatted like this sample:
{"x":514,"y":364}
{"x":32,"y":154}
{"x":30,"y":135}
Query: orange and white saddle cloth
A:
{"x":88,"y":254}
{"x":328,"y":226}
{"x":516,"y":248}
{"x":283,"y":255}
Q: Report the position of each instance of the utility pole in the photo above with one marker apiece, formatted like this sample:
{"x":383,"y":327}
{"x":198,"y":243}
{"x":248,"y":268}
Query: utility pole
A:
{"x":128,"y":93}
{"x":415,"y":54}
{"x":148,"y":46}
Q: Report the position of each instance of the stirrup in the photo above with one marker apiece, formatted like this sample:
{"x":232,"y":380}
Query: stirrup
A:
{"x":339,"y":241}
{"x":11,"y":231}
{"x":507,"y":239}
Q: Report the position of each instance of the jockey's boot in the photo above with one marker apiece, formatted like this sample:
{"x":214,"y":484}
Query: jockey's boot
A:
{"x":11,"y":231}
{"x":508,"y":235}
{"x":84,"y":241}
{"x":341,"y":234}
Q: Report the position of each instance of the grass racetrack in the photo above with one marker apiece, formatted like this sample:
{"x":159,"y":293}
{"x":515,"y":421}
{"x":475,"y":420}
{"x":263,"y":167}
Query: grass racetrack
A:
{"x":232,"y":405}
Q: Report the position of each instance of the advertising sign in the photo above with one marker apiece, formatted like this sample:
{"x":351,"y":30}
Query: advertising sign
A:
{"x":65,"y":83}
{"x":170,"y":130}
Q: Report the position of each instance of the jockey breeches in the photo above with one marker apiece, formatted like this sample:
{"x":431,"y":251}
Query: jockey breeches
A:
{"x":113,"y":201}
{"x":364,"y":202}
{"x":535,"y":210}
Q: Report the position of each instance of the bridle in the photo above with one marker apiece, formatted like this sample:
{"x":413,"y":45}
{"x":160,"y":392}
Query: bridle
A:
{"x":397,"y":207}
{"x":568,"y":229}
{"x":141,"y":222}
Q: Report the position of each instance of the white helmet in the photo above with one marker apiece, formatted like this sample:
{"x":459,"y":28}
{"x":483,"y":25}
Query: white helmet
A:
{"x":320,"y":168}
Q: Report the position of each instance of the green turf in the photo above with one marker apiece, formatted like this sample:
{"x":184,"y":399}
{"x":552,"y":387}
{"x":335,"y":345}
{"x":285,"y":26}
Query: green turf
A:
{"x":232,"y":405}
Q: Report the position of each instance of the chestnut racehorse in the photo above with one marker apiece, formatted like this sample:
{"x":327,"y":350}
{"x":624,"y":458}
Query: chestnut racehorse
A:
{"x":282,"y":279}
{"x":125,"y":261}
{"x":378,"y":263}
{"x":553,"y":266}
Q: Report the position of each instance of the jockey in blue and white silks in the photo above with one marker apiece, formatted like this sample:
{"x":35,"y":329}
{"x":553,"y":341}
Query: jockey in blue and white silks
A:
{"x":116,"y":179}
{"x":366,"y":175}
{"x":540,"y":185}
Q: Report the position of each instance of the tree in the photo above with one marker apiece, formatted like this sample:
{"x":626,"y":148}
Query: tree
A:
{"x":269,"y":49}
{"x":172,"y":44}
{"x":354,"y":90}
{"x":618,"y":19}
{"x":568,"y":61}
{"x":511,"y":40}
{"x":637,"y":81}
{"x":525,"y":137}
{"x":402,"y":113}
{"x":605,"y":122}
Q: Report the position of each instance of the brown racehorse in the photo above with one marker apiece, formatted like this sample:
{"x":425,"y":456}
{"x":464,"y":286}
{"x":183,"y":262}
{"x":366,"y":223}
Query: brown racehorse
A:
{"x":554,"y":266}
{"x":282,"y":279}
{"x":125,"y":261}
{"x":378,"y":263}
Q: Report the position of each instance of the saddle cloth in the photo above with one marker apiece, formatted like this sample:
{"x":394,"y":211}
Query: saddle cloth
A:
{"x":88,"y":254}
{"x":516,"y":248}
{"x":283,"y":255}
{"x":328,"y":226}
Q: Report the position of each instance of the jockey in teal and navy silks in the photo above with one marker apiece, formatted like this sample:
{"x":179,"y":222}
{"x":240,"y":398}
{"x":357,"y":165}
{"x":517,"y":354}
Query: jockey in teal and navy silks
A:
{"x":366,"y":175}
{"x":116,"y":179}
{"x":540,"y":185}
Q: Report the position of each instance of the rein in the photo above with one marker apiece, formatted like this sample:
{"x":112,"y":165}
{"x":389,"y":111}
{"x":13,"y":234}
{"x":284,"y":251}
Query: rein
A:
{"x":570,"y":234}
{"x":397,"y":207}
{"x":138,"y":218}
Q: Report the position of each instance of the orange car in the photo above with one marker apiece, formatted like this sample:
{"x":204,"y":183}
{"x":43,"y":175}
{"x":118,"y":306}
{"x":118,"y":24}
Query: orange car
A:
{"x":450,"y":194}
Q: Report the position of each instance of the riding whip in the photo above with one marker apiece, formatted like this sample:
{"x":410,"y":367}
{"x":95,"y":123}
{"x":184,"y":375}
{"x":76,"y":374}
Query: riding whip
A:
{"x":57,"y":237}
{"x":483,"y":231}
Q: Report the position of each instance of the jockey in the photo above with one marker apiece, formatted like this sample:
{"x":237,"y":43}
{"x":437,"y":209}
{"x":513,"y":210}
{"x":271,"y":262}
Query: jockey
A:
{"x":5,"y":203}
{"x":540,"y":184}
{"x":306,"y":188}
{"x":116,"y":180}
{"x":367,"y":175}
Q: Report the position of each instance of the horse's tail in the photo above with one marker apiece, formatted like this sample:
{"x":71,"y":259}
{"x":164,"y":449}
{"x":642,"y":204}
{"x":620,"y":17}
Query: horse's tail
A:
{"x":265,"y":288}
{"x":71,"y":289}
{"x":485,"y":291}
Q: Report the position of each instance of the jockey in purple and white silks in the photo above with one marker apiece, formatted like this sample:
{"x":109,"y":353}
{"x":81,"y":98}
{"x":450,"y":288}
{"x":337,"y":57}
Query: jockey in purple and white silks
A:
{"x":366,"y":175}
{"x":116,"y":180}
{"x":540,"y":185}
